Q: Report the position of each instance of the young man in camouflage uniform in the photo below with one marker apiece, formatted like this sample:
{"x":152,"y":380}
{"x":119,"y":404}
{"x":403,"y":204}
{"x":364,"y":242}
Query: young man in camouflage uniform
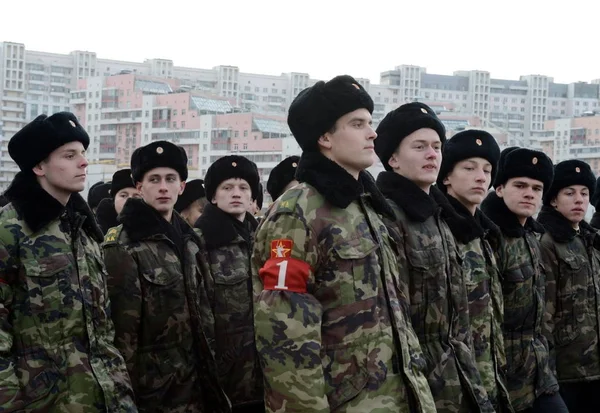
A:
{"x":156,"y":293}
{"x":523,"y":176}
{"x":56,"y":336}
{"x":469,"y":165}
{"x":226,"y":232}
{"x":331,"y":329}
{"x":570,"y":249}
{"x":282,"y":177}
{"x":409,"y":145}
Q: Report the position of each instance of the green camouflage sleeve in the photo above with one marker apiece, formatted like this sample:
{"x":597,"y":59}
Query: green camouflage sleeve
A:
{"x":550,"y":262}
{"x":206,"y":292}
{"x":9,"y":383}
{"x":125,"y":295}
{"x":287,"y":317}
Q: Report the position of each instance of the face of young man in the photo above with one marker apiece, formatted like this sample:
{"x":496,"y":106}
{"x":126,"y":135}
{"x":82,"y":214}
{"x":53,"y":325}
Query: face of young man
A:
{"x":160,"y":189}
{"x":123,"y":195}
{"x":233,"y":196}
{"x":522,"y":196}
{"x":418,"y":158}
{"x":64,"y":171}
{"x":572,"y":202}
{"x":469,"y":181}
{"x":350,"y":143}
{"x":193,"y":211}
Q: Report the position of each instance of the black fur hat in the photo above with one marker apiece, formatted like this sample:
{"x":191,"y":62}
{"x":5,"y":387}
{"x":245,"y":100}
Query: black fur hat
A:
{"x":471,"y":143}
{"x":260,"y":196}
{"x":120,"y":180}
{"x":400,"y":123}
{"x":316,"y":109}
{"x":40,"y":137}
{"x":97,"y":193}
{"x":571,"y":172}
{"x":231,"y":166}
{"x":521,"y":162}
{"x":156,"y":155}
{"x":281,"y":176}
{"x":193,"y":191}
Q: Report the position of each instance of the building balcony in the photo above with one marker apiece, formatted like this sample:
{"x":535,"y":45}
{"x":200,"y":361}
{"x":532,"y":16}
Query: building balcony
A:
{"x":13,"y":109}
{"x":13,"y":99}
{"x":120,"y":121}
{"x":10,"y":130}
{"x":13,"y":118}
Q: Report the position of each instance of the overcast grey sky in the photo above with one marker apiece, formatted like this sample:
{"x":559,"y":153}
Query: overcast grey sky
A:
{"x":323,"y":37}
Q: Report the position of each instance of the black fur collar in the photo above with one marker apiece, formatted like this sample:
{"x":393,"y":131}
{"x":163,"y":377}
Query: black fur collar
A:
{"x":415,"y":202}
{"x":559,"y":227}
{"x":106,"y":214}
{"x":337,"y":186}
{"x":476,"y":226}
{"x":467,"y":227}
{"x":141,"y":221}
{"x":38,"y":208}
{"x":217,"y":226}
{"x":494,"y":207}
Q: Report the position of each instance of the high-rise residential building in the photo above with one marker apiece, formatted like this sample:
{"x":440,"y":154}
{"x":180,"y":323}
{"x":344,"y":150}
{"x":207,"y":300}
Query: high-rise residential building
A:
{"x":572,"y":138}
{"x":127,"y":104}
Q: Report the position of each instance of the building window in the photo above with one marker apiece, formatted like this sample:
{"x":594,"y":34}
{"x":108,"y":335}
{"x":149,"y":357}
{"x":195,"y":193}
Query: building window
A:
{"x":245,"y":146}
{"x":236,"y":134}
{"x":183,"y":124}
{"x":235,"y":146}
{"x":245,"y":134}
{"x":205,"y":147}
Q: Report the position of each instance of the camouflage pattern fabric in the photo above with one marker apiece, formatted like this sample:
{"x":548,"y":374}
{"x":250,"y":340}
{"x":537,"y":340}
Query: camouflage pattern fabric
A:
{"x":572,"y":263}
{"x":56,"y":336}
{"x":338,"y":339}
{"x":160,"y":329}
{"x":431,"y":268}
{"x":518,"y":254}
{"x":225,"y":267}
{"x":430,"y":264}
{"x":486,"y":312}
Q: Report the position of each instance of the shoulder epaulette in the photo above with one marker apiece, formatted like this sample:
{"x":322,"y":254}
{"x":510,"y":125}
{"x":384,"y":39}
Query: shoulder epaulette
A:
{"x":112,"y":236}
{"x":288,"y":201}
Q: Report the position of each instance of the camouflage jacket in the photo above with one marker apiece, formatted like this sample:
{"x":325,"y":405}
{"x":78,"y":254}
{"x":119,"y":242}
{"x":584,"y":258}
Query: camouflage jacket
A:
{"x":475,"y":236}
{"x":431,"y":269}
{"x":225,"y":266}
{"x":528,"y":373}
{"x":331,"y":327}
{"x":156,"y":294}
{"x":572,"y":263}
{"x":56,"y":335}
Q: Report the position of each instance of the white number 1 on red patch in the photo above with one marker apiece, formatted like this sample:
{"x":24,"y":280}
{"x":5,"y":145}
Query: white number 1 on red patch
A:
{"x":282,"y":274}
